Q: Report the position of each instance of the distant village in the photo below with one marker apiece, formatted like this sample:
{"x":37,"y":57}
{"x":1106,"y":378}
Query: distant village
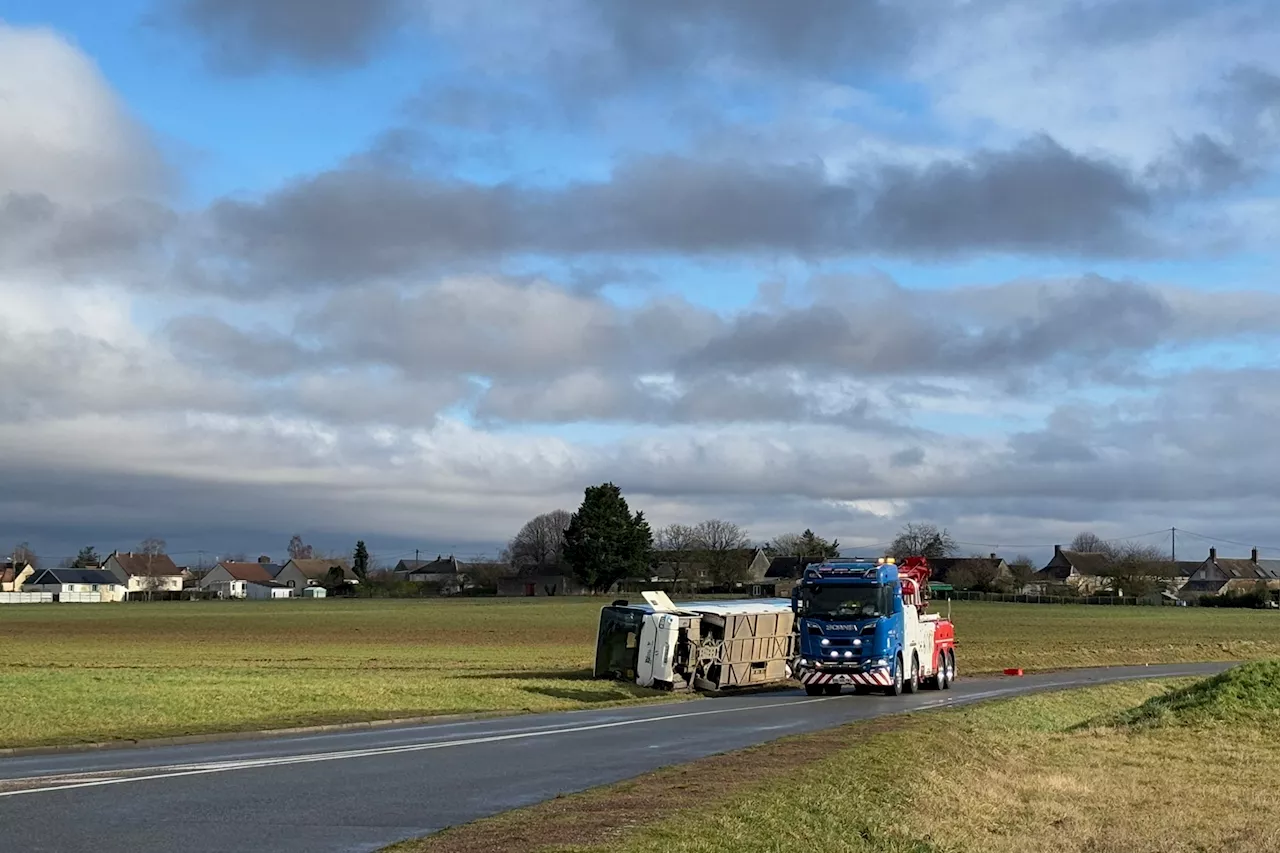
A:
{"x":1100,"y":575}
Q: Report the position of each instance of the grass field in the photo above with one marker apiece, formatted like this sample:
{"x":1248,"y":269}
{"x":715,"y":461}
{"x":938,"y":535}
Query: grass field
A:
{"x":1128,"y":768}
{"x":74,"y":673}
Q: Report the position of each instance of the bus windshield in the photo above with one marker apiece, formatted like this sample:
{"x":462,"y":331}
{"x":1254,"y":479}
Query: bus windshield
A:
{"x":847,"y":602}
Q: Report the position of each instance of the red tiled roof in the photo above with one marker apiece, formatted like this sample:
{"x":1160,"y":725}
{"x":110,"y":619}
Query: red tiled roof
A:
{"x":252,"y":572}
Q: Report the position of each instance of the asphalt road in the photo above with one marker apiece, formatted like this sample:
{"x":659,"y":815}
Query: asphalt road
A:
{"x":362,"y":789}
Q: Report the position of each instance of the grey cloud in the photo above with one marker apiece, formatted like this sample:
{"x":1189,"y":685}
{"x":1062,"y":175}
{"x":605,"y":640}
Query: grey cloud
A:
{"x":1038,"y":197}
{"x":125,"y":237}
{"x":909,"y":458}
{"x":249,"y":36}
{"x":365,"y":223}
{"x":259,"y":353}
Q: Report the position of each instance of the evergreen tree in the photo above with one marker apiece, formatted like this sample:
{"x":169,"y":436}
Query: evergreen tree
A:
{"x":86,"y":558}
{"x":360,"y":562}
{"x":604,"y":542}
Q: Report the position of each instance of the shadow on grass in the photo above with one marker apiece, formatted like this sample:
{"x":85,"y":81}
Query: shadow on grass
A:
{"x":586,"y":697}
{"x":539,"y":675}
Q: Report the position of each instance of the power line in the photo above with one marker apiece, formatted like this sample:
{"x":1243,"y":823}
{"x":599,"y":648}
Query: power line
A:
{"x":1274,"y":548}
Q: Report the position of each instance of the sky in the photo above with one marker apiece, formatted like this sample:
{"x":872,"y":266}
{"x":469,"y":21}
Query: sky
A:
{"x":414,"y":271}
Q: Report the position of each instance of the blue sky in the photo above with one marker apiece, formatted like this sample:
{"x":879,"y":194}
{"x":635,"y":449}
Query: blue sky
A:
{"x":966,"y":233}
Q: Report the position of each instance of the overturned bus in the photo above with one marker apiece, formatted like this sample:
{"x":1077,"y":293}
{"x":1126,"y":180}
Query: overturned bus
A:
{"x":699,"y":645}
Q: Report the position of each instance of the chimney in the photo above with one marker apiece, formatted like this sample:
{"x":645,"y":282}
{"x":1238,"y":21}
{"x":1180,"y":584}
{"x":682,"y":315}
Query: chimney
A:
{"x":1057,"y":550}
{"x":264,"y":559}
{"x":1254,"y":558}
{"x":993,"y":556}
{"x":1213,"y":554}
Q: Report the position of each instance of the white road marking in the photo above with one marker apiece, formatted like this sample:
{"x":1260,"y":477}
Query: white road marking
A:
{"x":177,"y":770}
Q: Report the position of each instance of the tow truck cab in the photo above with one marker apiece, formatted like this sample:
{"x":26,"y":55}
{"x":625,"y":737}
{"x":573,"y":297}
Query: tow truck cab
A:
{"x":849,"y":620}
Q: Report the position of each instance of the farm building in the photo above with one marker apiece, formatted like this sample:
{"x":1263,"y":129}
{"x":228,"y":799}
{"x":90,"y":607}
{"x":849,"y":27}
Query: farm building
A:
{"x":316,"y":572}
{"x":541,"y":584}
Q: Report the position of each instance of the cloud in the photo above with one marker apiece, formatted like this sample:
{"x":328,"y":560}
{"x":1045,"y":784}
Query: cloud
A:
{"x":65,"y":137}
{"x":251,"y":36}
{"x":356,"y":224}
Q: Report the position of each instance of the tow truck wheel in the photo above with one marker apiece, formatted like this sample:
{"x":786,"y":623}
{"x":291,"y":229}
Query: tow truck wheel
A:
{"x":831,"y":689}
{"x":813,"y":689}
{"x":940,"y":680}
{"x":951,"y":667}
{"x":913,"y":684}
{"x":895,"y":689}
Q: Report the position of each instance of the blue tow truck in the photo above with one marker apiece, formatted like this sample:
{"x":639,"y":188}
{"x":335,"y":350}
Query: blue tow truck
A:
{"x":865,"y":623}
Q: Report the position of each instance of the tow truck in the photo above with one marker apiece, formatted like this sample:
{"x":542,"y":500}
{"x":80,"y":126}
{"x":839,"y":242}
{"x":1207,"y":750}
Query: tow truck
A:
{"x":865,"y":623}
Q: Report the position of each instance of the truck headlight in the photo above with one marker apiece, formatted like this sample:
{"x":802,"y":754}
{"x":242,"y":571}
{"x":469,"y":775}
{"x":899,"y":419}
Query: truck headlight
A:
{"x":825,"y":641}
{"x":848,"y":654}
{"x":835,"y":654}
{"x":857,"y":642}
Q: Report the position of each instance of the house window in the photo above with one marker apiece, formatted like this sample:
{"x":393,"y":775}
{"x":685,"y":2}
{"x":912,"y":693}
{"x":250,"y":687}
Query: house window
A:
{"x":291,"y":583}
{"x":95,"y":587}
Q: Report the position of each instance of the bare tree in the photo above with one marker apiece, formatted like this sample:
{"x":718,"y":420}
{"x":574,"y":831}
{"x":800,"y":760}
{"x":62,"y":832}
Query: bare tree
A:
{"x":806,"y":544}
{"x":1138,"y":570}
{"x":674,"y":546}
{"x":152,"y":578}
{"x":299,"y":550}
{"x":538,"y":548}
{"x":1021,"y":570}
{"x":718,"y":540}
{"x":22,"y":553}
{"x":1088,"y":542}
{"x":922,"y":540}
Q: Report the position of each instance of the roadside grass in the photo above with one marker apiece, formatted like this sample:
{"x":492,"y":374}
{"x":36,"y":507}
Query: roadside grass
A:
{"x":103,"y":672}
{"x":1080,"y":770}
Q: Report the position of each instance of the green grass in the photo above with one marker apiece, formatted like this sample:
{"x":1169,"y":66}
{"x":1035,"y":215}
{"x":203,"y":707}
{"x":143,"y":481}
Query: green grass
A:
{"x":1247,"y":695}
{"x":74,"y":673}
{"x":1049,"y":772}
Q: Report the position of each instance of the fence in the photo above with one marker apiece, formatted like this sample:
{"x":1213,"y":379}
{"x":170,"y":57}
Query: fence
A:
{"x":1022,"y":598}
{"x":26,"y":598}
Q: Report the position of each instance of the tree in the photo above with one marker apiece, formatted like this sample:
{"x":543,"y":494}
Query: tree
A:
{"x":674,"y":548}
{"x":1021,"y":571}
{"x":538,"y":549}
{"x":807,"y":544}
{"x":1138,"y":570}
{"x":718,"y":540}
{"x":86,"y":558}
{"x":604,"y":542}
{"x":299,"y":550}
{"x":360,"y":562}
{"x":152,"y":547}
{"x":922,"y":540}
{"x":1088,"y":542}
{"x":22,"y":553}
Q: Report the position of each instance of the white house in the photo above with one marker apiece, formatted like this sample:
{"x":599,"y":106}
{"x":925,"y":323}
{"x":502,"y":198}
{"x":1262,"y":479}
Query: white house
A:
{"x":247,"y":580}
{"x":144,"y":574}
{"x":77,"y":585}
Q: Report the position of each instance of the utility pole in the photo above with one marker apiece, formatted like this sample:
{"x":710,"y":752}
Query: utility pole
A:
{"x":416,"y":558}
{"x":1173,"y":538}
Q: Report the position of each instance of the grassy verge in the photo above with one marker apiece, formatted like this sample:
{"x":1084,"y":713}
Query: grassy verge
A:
{"x":102,"y":672}
{"x":1169,"y":767}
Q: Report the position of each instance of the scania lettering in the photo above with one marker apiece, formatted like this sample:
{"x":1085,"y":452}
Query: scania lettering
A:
{"x":865,"y":623}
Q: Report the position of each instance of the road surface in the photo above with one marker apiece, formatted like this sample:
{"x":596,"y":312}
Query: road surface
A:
{"x":362,"y":789}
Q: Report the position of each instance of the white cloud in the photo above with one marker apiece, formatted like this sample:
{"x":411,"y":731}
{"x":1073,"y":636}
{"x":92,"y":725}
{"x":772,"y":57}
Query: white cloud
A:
{"x":63,"y":131}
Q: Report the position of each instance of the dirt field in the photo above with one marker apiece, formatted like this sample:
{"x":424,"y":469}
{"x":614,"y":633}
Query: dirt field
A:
{"x":74,"y":673}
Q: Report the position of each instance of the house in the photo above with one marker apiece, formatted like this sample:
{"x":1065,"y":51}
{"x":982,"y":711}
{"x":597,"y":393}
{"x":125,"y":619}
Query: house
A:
{"x":1224,"y":575}
{"x":698,"y":567}
{"x":1083,"y":570}
{"x":966,"y":572}
{"x":249,"y":580}
{"x":541,"y":584}
{"x":78,"y":585}
{"x":446,"y":572}
{"x":315,"y":572}
{"x":13,"y":575}
{"x":789,"y":568}
{"x":145,"y":575}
